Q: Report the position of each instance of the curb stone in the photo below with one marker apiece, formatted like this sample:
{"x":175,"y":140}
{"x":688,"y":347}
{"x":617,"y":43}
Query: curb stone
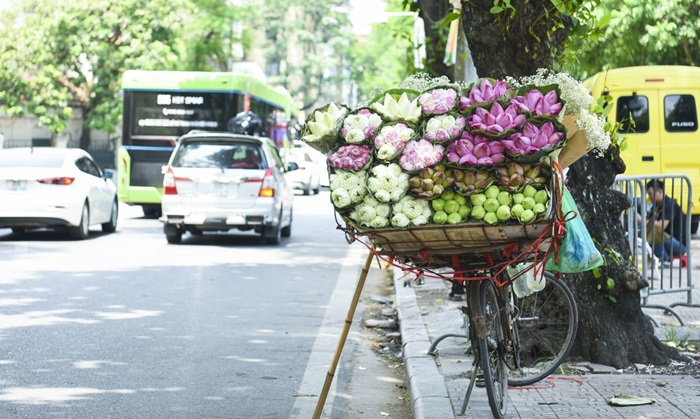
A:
{"x":429,"y":396}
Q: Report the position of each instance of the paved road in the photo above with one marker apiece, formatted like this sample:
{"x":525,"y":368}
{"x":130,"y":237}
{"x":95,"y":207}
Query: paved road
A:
{"x":126,"y":326}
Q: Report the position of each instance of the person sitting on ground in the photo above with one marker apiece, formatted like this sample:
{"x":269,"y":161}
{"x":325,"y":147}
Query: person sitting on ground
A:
{"x":665,"y":216}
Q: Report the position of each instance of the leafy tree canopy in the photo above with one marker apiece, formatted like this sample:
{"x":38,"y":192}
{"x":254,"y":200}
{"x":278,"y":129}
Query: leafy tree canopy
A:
{"x":636,"y":32}
{"x":55,"y":56}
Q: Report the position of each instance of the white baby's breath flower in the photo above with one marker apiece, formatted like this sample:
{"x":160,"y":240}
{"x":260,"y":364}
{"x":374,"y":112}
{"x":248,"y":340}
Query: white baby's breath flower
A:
{"x":594,"y":126}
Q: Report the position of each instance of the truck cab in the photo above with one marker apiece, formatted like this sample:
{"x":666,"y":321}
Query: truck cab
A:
{"x":663,"y":103}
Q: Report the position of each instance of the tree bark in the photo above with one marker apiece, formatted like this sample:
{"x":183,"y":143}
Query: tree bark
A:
{"x":501,"y":46}
{"x":611,"y":333}
{"x":613,"y":329}
{"x":86,"y":133}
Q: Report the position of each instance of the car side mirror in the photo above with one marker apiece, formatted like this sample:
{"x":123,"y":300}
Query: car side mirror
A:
{"x":292,"y":166}
{"x":108,"y":173}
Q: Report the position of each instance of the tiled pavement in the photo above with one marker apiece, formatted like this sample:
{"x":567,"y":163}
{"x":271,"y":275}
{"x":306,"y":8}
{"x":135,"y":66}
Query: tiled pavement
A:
{"x":438,"y":384}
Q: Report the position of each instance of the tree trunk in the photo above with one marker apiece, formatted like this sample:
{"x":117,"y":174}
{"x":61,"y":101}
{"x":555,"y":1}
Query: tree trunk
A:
{"x":610,"y":333}
{"x":514,"y":47}
{"x":612,"y":327}
{"x":85,"y":134}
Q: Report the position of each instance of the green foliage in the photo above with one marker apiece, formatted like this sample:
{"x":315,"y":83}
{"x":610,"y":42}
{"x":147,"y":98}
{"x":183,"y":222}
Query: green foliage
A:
{"x":321,"y":32}
{"x":606,"y":284}
{"x":674,"y":338}
{"x":55,"y":55}
{"x":635,"y":32}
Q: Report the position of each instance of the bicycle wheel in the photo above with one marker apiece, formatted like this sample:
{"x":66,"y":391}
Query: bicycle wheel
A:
{"x":492,"y":351}
{"x":546,"y":324}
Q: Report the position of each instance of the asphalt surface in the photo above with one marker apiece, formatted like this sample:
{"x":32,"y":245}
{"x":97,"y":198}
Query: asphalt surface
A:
{"x":438,"y":383}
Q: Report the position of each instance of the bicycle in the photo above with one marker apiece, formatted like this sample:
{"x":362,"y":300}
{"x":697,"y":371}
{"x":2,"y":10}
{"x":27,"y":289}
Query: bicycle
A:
{"x":547,"y":323}
{"x":517,"y":341}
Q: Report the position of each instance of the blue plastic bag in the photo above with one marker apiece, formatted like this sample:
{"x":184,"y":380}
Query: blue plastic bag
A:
{"x":577,"y":252}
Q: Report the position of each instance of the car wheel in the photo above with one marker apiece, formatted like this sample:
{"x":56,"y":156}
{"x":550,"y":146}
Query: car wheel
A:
{"x":307,"y":189}
{"x":82,"y":231}
{"x":287,"y":231}
{"x":173,"y":234}
{"x":273,"y":234}
{"x":111,"y":225}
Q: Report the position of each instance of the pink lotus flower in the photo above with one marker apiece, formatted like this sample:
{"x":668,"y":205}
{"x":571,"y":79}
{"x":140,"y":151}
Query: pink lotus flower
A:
{"x":438,"y":101}
{"x":533,"y":138}
{"x":442,"y":128}
{"x":391,"y":140}
{"x":497,"y":119}
{"x":476,"y":150}
{"x":485,"y":92}
{"x":419,"y":154}
{"x":360,"y":126}
{"x":352,"y":158}
{"x":538,"y":104}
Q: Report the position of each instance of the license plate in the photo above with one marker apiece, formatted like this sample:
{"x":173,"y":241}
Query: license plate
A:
{"x":16,"y":185}
{"x":220,"y":189}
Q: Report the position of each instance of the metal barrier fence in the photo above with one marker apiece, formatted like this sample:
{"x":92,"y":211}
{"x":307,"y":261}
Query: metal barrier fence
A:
{"x":649,"y":246}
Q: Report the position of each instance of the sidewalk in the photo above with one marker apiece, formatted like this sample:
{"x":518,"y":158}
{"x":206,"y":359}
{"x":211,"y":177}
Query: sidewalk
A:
{"x":438,"y":384}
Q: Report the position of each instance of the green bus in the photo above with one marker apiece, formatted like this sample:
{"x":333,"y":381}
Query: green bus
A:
{"x":160,"y":106}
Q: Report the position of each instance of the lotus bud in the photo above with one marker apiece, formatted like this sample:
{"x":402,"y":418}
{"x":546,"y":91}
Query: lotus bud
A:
{"x":527,"y":216}
{"x":415,"y":182}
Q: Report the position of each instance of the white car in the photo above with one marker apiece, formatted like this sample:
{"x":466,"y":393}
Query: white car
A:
{"x":313,"y":171}
{"x":222,"y":181}
{"x":59,"y":188}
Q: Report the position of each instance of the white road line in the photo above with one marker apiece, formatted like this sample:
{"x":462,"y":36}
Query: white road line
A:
{"x":327,"y":339}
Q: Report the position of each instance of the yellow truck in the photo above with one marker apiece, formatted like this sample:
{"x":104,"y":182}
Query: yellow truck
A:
{"x":663,"y":101}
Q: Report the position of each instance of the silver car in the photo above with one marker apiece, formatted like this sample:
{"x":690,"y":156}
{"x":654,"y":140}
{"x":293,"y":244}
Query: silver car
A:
{"x":222,"y":181}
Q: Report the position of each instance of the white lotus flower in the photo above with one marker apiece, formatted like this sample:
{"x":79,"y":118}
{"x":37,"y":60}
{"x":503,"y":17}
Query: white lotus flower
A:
{"x":324,"y":122}
{"x":404,"y":109}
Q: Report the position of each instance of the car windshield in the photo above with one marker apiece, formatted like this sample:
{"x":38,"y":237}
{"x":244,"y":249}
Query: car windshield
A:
{"x":222,"y":155}
{"x":31,"y":160}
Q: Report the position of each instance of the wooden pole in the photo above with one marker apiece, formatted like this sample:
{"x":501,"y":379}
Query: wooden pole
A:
{"x":343,"y":337}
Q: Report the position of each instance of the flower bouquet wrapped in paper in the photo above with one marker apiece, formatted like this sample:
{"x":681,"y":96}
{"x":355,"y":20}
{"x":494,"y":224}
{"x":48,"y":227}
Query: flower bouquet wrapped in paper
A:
{"x":534,"y":141}
{"x":483,"y":91}
{"x":419,"y":154}
{"x":410,"y":211}
{"x":391,"y":139}
{"x":438,"y":101}
{"x":351,"y":158}
{"x":360,"y":126}
{"x":471,"y":181}
{"x":444,"y":128}
{"x":401,"y":109}
{"x":387,"y":182}
{"x":514,"y":176}
{"x":321,"y":128}
{"x":431,"y":182}
{"x":347,"y":189}
{"x":371,"y":213}
{"x":475,"y":150}
{"x":495,"y":121}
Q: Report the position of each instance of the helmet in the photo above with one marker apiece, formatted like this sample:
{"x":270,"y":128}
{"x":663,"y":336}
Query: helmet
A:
{"x":245,"y":123}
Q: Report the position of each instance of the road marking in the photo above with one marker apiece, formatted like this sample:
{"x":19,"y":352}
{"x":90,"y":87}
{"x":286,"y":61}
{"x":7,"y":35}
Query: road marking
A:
{"x":327,"y":339}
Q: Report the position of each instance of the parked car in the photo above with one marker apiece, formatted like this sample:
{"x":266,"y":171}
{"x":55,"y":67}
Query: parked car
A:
{"x":58,"y":188}
{"x":314,"y":169}
{"x":223,"y":181}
